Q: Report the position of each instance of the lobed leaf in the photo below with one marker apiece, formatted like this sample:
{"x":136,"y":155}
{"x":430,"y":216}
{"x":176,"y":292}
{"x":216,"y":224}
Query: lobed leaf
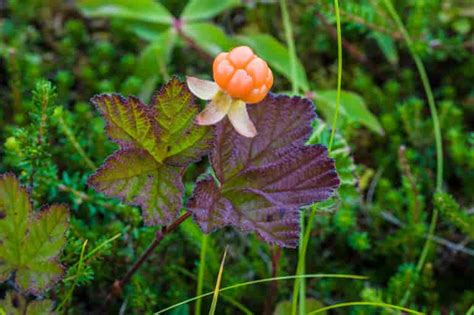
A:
{"x":15,"y":304}
{"x":136,"y":178}
{"x":29,"y":243}
{"x":156,"y":143}
{"x":175,"y":112}
{"x":263,"y":181}
{"x":129,"y":123}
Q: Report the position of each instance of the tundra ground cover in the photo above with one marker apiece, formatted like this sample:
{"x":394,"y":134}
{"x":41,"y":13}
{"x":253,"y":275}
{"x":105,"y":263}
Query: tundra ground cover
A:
{"x":352,"y":194}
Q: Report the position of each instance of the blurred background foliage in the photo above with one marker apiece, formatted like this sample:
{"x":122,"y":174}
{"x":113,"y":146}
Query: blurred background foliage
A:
{"x":55,"y":55}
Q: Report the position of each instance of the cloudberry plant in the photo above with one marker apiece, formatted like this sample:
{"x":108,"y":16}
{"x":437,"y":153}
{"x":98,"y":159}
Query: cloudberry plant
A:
{"x":240,"y":78}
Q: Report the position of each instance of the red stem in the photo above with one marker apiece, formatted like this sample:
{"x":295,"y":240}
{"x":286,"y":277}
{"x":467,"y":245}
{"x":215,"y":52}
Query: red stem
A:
{"x":273,"y":289}
{"x":119,"y":284}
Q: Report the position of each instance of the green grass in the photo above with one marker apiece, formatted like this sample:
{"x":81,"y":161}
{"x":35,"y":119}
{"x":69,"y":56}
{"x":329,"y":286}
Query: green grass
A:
{"x":299,"y":284}
{"x":202,"y":268}
{"x":248,"y":283}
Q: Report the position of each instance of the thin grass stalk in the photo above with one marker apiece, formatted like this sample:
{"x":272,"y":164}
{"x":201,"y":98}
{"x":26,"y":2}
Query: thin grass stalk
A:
{"x":301,"y":264}
{"x":74,"y":284}
{"x":290,"y":42}
{"x":202,"y":267}
{"x":302,"y":259}
{"x":437,"y":132}
{"x":215,"y":297}
{"x":375,"y":304}
{"x":302,"y":254}
{"x":243,"y":284}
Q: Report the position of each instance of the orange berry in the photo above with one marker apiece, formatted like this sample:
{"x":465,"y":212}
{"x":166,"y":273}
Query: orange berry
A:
{"x":243,"y":75}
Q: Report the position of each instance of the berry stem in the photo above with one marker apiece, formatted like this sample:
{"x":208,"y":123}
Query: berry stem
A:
{"x":118,"y":285}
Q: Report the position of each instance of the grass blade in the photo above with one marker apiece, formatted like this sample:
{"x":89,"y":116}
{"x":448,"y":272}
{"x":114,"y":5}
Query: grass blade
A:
{"x":437,"y":132}
{"x":79,"y":270}
{"x":243,"y":284}
{"x":348,"y":304}
{"x":215,"y":297}
{"x":290,"y":42}
{"x":202,"y":265}
{"x":300,"y":269}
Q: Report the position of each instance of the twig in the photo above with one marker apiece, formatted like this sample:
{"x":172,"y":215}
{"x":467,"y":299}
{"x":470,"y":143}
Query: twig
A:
{"x":15,"y":82}
{"x":355,"y":52}
{"x":455,"y":247}
{"x":117,"y":287}
{"x":357,"y":19}
{"x":82,"y":196}
{"x":273,"y":290}
{"x":178,"y":26}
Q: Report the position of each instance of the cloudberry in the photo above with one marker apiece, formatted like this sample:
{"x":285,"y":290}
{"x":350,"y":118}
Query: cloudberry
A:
{"x":243,"y":75}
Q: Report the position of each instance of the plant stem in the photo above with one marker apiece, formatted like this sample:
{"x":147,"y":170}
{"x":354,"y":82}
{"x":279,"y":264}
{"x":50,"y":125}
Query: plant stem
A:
{"x":437,"y":132}
{"x":243,"y":284}
{"x":301,"y":261}
{"x":339,"y":73}
{"x":272,"y":292}
{"x":428,"y":92}
{"x":217,"y":288}
{"x":15,"y":82}
{"x":78,"y":273}
{"x":202,"y":265}
{"x":302,"y":254}
{"x":291,"y":45}
{"x":119,"y":284}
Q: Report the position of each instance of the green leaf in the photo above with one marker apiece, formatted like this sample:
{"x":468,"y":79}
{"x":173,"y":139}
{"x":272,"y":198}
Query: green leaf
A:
{"x":205,"y":9}
{"x":156,"y":56}
{"x":209,"y":37}
{"x":387,"y":46}
{"x":29,"y":242}
{"x":153,"y":61}
{"x":157,"y":143}
{"x":149,"y":11}
{"x":175,"y":111}
{"x":136,"y":178}
{"x":129,"y":123}
{"x":277,"y":55}
{"x":15,"y":304}
{"x":353,"y":109}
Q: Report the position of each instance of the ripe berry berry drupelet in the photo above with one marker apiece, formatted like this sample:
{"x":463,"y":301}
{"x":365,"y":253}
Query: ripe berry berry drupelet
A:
{"x":243,"y":75}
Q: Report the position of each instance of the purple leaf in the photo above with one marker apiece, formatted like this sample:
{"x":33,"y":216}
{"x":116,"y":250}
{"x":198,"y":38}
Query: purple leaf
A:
{"x":156,"y":143}
{"x":263,"y":181}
